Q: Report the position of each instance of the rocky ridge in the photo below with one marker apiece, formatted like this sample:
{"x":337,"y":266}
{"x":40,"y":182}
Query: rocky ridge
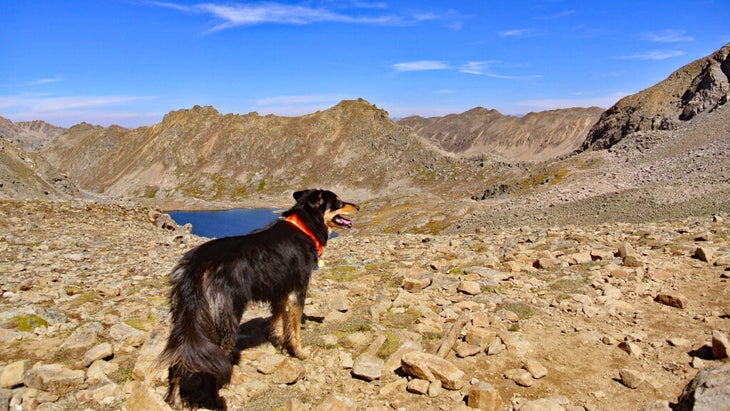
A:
{"x":29,"y":135}
{"x":565,"y":318}
{"x":27,"y":175}
{"x":537,"y":136}
{"x":698,"y":87}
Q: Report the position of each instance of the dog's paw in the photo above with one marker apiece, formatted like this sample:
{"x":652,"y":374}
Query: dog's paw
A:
{"x":302,"y":353}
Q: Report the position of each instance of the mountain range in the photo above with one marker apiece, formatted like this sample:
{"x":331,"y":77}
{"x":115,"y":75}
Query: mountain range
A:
{"x":460,"y":171}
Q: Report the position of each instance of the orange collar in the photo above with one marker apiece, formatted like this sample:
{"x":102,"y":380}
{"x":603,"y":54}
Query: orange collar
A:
{"x":297,"y":222}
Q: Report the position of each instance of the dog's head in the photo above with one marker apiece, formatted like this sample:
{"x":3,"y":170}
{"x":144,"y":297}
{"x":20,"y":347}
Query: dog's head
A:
{"x":333,"y":209}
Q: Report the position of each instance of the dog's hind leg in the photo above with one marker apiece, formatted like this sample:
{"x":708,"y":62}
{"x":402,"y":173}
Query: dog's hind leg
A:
{"x":173,"y":390}
{"x":276,"y":326}
{"x":292,"y":326}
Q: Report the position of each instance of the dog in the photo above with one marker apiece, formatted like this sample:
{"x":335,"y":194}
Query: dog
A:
{"x":213,"y":283}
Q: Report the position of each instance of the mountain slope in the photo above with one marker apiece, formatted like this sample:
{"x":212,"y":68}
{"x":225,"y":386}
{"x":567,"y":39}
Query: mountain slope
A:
{"x":700,"y":86}
{"x":26,"y":175}
{"x":200,"y":153}
{"x":29,"y":135}
{"x":533,"y":137}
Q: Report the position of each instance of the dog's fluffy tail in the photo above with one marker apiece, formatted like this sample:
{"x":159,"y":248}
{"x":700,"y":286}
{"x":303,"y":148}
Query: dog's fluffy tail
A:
{"x":192,"y":346}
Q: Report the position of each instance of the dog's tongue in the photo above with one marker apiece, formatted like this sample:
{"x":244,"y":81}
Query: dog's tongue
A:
{"x":342,"y":221}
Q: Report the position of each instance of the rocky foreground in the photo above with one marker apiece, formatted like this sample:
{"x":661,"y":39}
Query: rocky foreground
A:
{"x":609,"y":317}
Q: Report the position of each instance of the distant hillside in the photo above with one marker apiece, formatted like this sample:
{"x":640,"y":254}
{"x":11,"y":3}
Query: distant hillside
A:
{"x":353,"y":147}
{"x":26,"y":175}
{"x":29,"y":135}
{"x":533,"y":137}
{"x":700,"y":86}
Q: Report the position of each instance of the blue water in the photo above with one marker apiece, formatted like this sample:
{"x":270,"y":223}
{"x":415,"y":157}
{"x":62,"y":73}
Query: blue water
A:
{"x":225,"y":223}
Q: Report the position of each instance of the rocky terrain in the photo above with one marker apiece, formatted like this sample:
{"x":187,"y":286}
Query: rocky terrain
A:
{"x":533,"y":137}
{"x":594,"y":281}
{"x":607,"y":317}
{"x":29,"y":135}
{"x":28,"y":175}
{"x":698,"y":87}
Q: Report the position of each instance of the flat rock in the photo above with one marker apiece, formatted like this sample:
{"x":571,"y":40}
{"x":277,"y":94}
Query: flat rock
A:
{"x":56,"y":378}
{"x":430,"y":367}
{"x":13,"y":374}
{"x":520,"y":376}
{"x":288,"y":372}
{"x":368,"y":367}
{"x":535,"y":368}
{"x":98,"y":352}
{"x":631,"y":378}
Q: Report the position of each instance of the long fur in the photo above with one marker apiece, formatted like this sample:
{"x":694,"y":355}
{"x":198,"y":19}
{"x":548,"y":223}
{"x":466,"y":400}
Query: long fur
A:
{"x":213,"y":283}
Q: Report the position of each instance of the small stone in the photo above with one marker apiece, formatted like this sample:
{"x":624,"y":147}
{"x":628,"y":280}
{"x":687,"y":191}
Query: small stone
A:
{"x":630,"y":378}
{"x":703,"y":254}
{"x":625,"y":250}
{"x":418,"y":386}
{"x":672,"y":300}
{"x":720,"y":345}
{"x":464,"y":350}
{"x":545,"y":263}
{"x":415,"y":284}
{"x":579,"y":258}
{"x":13,"y":374}
{"x":125,"y":333}
{"x":520,"y":377}
{"x":658,"y":274}
{"x":98,"y":352}
{"x":484,"y":396}
{"x":469,"y":287}
{"x":435,"y":388}
{"x":631,"y":348}
{"x":535,"y":368}
{"x":481,"y":337}
{"x":542,"y":404}
{"x":268,"y":363}
{"x":288,"y":372}
{"x":367,"y":367}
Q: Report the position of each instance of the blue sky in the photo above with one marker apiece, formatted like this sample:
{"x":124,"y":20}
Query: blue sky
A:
{"x":129,"y":62}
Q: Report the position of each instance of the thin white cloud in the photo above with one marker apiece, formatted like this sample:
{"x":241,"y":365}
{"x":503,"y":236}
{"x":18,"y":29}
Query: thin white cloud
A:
{"x":667,"y":36}
{"x":68,"y":110}
{"x":516,"y":33}
{"x":506,"y":77}
{"x":476,"y":67}
{"x":45,"y":80}
{"x":250,"y":14}
{"x":486,"y":68}
{"x":651,"y":55}
{"x":421,"y":65}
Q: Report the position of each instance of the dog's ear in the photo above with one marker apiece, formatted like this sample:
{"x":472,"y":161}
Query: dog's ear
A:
{"x":313,"y":198}
{"x":299,"y":195}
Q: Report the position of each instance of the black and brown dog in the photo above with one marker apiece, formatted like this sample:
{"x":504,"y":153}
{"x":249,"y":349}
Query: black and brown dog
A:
{"x":214,"y":282}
